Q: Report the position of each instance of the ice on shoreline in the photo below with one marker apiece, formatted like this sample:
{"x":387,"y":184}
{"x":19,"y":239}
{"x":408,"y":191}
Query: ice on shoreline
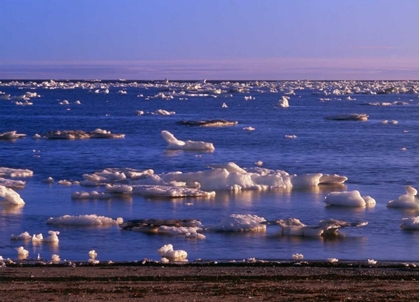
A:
{"x":167,"y":251}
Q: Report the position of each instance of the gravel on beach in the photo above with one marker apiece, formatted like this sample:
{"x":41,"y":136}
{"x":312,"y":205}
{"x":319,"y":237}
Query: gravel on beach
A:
{"x":210,"y":281}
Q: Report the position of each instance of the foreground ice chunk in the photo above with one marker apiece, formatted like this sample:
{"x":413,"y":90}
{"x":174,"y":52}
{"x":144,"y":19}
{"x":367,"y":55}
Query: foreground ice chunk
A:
{"x":240,"y":223}
{"x":410,"y":200}
{"x":22,"y":253}
{"x":175,"y":144}
{"x":84,"y":220}
{"x":167,"y":251}
{"x":349,"y":199}
{"x":410,"y":223}
{"x":10,"y":196}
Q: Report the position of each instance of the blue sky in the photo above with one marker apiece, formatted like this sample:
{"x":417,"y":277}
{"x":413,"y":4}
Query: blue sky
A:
{"x":197,"y":39}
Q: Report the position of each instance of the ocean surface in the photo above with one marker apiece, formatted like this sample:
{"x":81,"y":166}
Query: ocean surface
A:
{"x":378,"y":158}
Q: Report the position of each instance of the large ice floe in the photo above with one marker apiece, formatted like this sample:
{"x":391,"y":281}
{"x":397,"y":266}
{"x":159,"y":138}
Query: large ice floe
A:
{"x":294,"y":227}
{"x":409,"y":200}
{"x":208,"y":123}
{"x":175,"y":144}
{"x":84,"y":220}
{"x":410,"y":223}
{"x":199,"y":184}
{"x":15,"y":173}
{"x":10,"y":196}
{"x":349,"y":199}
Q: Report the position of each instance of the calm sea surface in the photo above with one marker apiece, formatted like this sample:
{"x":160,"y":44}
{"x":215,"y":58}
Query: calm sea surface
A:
{"x":369,"y":153}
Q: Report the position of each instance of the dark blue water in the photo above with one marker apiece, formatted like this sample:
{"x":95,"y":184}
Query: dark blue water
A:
{"x":369,"y":153}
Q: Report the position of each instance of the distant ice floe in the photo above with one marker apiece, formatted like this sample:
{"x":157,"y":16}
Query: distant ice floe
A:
{"x":90,"y":195}
{"x":23,"y":236}
{"x":409,"y":200}
{"x":348,"y":117}
{"x":175,"y":144}
{"x":349,"y":199}
{"x":10,"y":196}
{"x":190,"y":228}
{"x":78,"y":134}
{"x":11,"y":135}
{"x":169,"y":191}
{"x":410,"y":223}
{"x":167,"y":251}
{"x":157,"y":112}
{"x":208,"y":123}
{"x":239,"y":223}
{"x":294,"y":227}
{"x":84,"y":220}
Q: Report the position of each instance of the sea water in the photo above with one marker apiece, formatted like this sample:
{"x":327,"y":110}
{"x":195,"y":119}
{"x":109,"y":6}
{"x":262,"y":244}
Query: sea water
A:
{"x":378,"y":158}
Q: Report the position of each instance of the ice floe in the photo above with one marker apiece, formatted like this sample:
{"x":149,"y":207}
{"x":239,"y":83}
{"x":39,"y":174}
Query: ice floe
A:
{"x":22,"y":236}
{"x":409,"y":200}
{"x":284,"y":102}
{"x":410,"y":223}
{"x":79,"y":134}
{"x":10,"y":196}
{"x":15,"y":173}
{"x":84,"y":220}
{"x":348,"y":117}
{"x":175,"y":144}
{"x":294,"y":227}
{"x":208,"y":123}
{"x":239,"y":223}
{"x":11,"y":135}
{"x":349,"y":199}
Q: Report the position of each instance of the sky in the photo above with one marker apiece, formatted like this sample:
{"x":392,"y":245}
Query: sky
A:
{"x":210,"y":39}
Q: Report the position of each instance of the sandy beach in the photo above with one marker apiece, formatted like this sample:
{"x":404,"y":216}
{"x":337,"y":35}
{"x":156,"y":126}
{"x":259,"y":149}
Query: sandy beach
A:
{"x":268,"y":281}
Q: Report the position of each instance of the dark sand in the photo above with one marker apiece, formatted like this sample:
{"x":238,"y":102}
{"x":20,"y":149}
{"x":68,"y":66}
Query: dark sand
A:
{"x":270,"y":281}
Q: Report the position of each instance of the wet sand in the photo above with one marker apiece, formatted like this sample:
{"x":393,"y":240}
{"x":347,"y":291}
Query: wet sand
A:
{"x":269,"y":281}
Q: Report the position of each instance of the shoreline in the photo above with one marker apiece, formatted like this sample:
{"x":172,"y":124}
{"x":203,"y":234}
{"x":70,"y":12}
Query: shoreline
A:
{"x":210,"y":281}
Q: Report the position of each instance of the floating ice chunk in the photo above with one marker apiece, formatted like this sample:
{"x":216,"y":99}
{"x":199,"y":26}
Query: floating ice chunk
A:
{"x":231,"y":167}
{"x":259,"y":163}
{"x":170,"y":191}
{"x":175,"y":144}
{"x":291,"y":136}
{"x":349,"y":199}
{"x":173,"y":230}
{"x":22,"y":253}
{"x":15,"y":173}
{"x":297,"y":256}
{"x":37,"y":238}
{"x":224,"y":105}
{"x":22,"y":236}
{"x":410,"y":200}
{"x":332,"y":260}
{"x":10,"y":196}
{"x":167,"y":251}
{"x":53,"y":237}
{"x":48,"y":180}
{"x":294,"y":227}
{"x":164,"y":112}
{"x":305,"y":180}
{"x":329,"y":179}
{"x":410,"y":223}
{"x":348,"y":117}
{"x":372,"y":262}
{"x":64,"y":182}
{"x":84,"y":220}
{"x":284,"y":102}
{"x":249,"y":128}
{"x":77,"y":102}
{"x":11,"y":135}
{"x":240,"y":223}
{"x":90,"y":195}
{"x":208,"y":123}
